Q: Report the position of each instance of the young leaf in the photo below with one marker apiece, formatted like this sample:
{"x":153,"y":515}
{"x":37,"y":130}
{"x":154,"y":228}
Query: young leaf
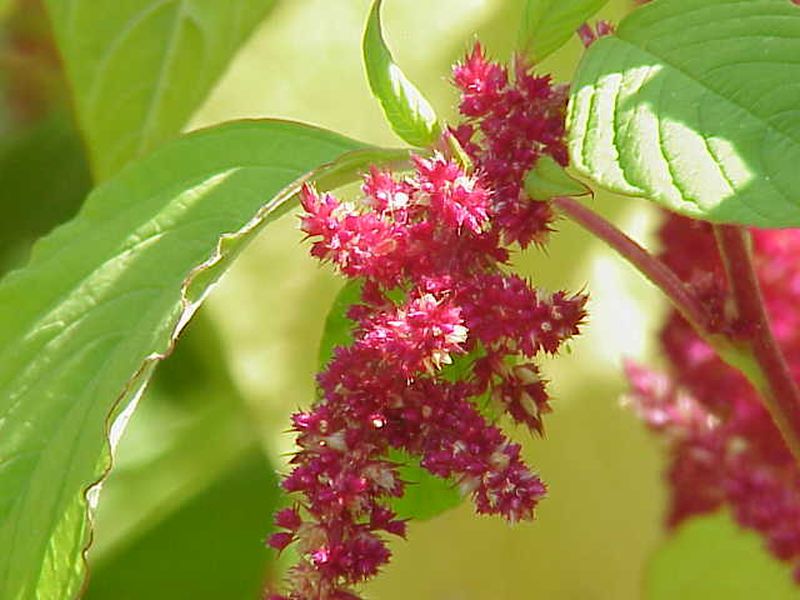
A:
{"x":426,"y":495}
{"x":710,"y":557}
{"x":694,"y":104}
{"x":102,"y":301}
{"x":548,"y":179}
{"x":410,"y":115}
{"x":139,"y":70}
{"x":548,"y":24}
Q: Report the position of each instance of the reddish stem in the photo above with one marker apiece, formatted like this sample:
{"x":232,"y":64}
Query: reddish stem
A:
{"x":651,"y":267}
{"x":759,"y":357}
{"x":777,"y":386}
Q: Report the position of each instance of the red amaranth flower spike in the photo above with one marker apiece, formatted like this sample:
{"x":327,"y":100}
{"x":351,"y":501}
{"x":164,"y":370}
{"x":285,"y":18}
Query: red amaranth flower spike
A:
{"x":511,"y":121}
{"x":725,"y":448}
{"x":427,"y":249}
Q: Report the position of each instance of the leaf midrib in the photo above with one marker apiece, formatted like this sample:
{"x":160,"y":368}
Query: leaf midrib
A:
{"x":155,"y":99}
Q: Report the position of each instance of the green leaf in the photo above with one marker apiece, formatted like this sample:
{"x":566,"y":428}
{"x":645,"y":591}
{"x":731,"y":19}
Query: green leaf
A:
{"x":338,"y":329}
{"x":159,"y":467}
{"x":139,"y":68}
{"x":548,"y":179}
{"x":102,"y":301}
{"x":410,"y":115}
{"x":695,"y":105}
{"x":710,"y":557}
{"x":426,"y":495}
{"x":548,"y":24}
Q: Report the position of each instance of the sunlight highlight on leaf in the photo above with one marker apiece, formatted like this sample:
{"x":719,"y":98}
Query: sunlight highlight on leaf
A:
{"x":174,"y":51}
{"x":408,"y":112}
{"x":100,"y":303}
{"x":694,"y":105}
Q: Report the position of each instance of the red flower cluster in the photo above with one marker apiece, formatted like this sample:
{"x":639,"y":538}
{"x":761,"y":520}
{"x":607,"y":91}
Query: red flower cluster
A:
{"x":509,"y":124}
{"x":725,"y":449}
{"x":427,"y":249}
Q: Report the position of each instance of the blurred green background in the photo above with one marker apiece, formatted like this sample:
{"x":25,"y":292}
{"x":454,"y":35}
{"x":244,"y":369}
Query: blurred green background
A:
{"x":186,"y":509}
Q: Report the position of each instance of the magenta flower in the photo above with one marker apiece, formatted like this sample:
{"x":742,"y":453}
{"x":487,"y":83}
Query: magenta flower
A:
{"x":427,"y":250}
{"x":510,"y":122}
{"x":725,"y":448}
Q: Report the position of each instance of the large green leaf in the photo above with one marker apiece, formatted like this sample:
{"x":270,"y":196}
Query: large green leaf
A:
{"x":696,"y":105}
{"x":548,"y":24}
{"x":711,"y":557}
{"x":139,"y":68}
{"x":179,"y":515}
{"x":426,"y":495}
{"x":102,"y":300}
{"x":410,"y":115}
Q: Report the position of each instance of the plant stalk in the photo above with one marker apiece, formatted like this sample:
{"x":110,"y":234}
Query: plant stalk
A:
{"x":772,"y":378}
{"x":757,"y":354}
{"x":681,"y":296}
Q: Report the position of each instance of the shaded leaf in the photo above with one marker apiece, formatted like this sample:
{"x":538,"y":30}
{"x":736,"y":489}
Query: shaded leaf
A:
{"x":208,"y":549}
{"x":159,"y":466}
{"x":427,"y":495}
{"x":695,"y":104}
{"x":338,"y":329}
{"x":710,"y":557}
{"x":410,"y":115}
{"x":33,"y":204}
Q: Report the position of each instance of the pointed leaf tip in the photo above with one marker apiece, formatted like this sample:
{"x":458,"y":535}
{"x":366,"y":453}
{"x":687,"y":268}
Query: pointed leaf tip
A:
{"x":407,"y":111}
{"x":548,"y":179}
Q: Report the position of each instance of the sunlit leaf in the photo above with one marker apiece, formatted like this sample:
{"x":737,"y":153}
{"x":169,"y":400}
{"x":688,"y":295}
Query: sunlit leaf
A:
{"x":548,"y":24}
{"x":101,"y":302}
{"x":711,"y":557}
{"x":149,"y":532}
{"x":410,"y":115}
{"x":139,"y":68}
{"x":695,"y":104}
